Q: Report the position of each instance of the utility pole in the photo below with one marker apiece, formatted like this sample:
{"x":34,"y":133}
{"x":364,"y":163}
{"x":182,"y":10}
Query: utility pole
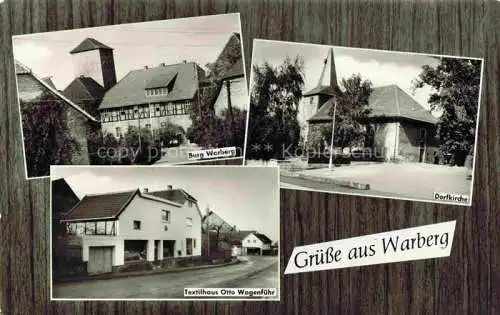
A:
{"x":330,"y":164}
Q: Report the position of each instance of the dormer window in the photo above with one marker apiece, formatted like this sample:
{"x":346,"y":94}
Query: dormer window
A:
{"x":157,"y":91}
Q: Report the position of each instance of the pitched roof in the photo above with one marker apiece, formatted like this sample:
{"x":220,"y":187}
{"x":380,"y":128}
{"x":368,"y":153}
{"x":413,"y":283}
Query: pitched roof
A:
{"x":20,"y":68}
{"x":212,"y":221}
{"x":386,"y":101}
{"x":235,"y":71}
{"x":160,"y":81}
{"x":176,"y":195}
{"x":63,"y":196}
{"x":23,"y":70}
{"x":84,"y":89}
{"x":108,"y":206}
{"x":263,"y":238}
{"x":392,"y":101}
{"x":238,"y":236}
{"x":320,"y":89}
{"x":89,"y":44}
{"x":100,"y":206}
{"x":131,"y":89}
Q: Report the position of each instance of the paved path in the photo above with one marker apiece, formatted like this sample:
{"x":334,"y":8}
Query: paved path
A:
{"x":304,"y":184}
{"x":167,"y":285}
{"x":405,"y":180}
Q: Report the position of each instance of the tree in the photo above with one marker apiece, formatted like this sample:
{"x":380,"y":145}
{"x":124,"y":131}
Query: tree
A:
{"x":169,"y":133}
{"x":231,"y":128}
{"x":102,"y":148}
{"x":213,"y":224}
{"x":273,"y":125}
{"x":203,"y":130}
{"x":352,"y":109}
{"x":455,"y":84}
{"x":140,"y":147}
{"x":47,"y":138}
{"x":205,"y":126}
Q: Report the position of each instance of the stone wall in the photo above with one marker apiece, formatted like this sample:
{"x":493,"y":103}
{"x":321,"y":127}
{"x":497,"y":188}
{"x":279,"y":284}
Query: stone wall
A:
{"x":413,"y":138}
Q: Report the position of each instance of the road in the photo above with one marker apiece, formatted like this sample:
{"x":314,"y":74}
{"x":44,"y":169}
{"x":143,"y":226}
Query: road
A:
{"x":171,"y":285}
{"x":268,"y":278}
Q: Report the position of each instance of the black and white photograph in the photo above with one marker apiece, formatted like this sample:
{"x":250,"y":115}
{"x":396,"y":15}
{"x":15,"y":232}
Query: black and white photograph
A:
{"x":155,"y":233}
{"x":161,"y":92}
{"x":366,"y":122}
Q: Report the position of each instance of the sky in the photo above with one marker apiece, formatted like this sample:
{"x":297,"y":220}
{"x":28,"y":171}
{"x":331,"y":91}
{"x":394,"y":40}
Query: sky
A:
{"x":247,"y":197}
{"x":380,"y":67}
{"x":135,"y":45}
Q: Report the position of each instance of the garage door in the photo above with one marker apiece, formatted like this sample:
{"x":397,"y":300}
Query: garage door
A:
{"x":100,"y":260}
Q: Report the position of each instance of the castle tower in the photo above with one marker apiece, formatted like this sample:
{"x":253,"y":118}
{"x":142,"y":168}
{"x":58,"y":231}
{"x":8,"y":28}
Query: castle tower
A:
{"x":93,"y":59}
{"x":313,"y":100}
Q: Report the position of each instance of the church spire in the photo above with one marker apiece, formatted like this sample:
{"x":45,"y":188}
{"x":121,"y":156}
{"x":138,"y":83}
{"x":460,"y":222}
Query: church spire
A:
{"x":333,"y":71}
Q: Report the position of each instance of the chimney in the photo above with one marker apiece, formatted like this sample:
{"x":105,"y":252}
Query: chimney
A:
{"x":207,"y":211}
{"x":146,"y":67}
{"x":146,"y":190}
{"x":169,"y":187}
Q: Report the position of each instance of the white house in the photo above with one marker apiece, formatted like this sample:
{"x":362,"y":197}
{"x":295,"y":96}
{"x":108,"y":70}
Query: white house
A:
{"x":114,"y":229}
{"x":255,"y":243}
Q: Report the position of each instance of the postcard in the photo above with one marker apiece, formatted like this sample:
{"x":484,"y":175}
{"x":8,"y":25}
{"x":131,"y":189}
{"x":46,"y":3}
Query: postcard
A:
{"x":365,"y":122}
{"x":165,"y":233}
{"x":132,"y":94}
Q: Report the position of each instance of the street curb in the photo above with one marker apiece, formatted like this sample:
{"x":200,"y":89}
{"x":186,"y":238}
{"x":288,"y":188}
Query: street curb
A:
{"x":250,"y":274}
{"x":318,"y":179}
{"x":118,"y":275}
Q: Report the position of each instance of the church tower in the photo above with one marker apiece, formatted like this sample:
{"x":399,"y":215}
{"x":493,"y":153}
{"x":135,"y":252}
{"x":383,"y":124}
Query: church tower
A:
{"x":93,"y":59}
{"x":313,"y":100}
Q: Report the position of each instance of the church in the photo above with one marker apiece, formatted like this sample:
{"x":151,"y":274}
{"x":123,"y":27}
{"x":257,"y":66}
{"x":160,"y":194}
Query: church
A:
{"x":397,"y":127}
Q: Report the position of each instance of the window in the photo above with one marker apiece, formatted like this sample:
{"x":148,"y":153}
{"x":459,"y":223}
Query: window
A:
{"x":194,"y":243}
{"x":101,"y":227}
{"x":118,"y":131}
{"x":189,"y":221}
{"x":91,"y":228}
{"x":253,"y":241}
{"x":148,"y":126}
{"x":170,"y":109}
{"x":137,"y":225}
{"x":165,"y":215}
{"x":122,"y":115}
{"x":311,"y":100}
{"x":190,"y":203}
{"x":110,"y":228}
